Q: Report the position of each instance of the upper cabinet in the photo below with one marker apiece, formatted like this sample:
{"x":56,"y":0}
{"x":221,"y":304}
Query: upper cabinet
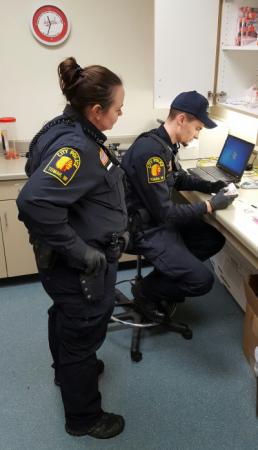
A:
{"x":238,"y":57}
{"x":185,"y":47}
{"x":195,"y":48}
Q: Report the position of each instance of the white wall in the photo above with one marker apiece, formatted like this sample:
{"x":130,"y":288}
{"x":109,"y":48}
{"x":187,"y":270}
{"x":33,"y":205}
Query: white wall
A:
{"x":114,"y":33}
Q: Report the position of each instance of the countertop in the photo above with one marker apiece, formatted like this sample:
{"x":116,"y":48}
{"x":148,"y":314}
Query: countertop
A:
{"x":12,"y":169}
{"x":240,"y":219}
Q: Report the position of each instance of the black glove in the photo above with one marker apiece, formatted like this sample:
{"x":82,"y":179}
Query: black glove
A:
{"x":94,"y":260}
{"x":221,"y":200}
{"x":216,"y":186}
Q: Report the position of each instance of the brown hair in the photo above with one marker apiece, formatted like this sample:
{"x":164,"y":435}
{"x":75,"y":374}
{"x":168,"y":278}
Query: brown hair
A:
{"x":87,"y":86}
{"x":174,"y":112}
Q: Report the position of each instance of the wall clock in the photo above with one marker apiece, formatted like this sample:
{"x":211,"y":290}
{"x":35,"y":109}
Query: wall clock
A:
{"x":50,"y":25}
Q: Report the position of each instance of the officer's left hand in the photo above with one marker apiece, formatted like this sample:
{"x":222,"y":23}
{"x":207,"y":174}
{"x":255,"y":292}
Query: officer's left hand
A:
{"x":216,"y":186}
{"x":94,"y":260}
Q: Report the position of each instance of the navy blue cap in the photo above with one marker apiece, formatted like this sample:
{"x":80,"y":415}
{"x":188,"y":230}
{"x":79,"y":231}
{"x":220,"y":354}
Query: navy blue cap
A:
{"x":196,"y":104}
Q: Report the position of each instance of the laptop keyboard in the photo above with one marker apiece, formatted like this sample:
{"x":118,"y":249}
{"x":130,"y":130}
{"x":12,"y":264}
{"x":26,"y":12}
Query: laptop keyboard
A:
{"x":201,"y":174}
{"x":211,"y":174}
{"x":219,"y":174}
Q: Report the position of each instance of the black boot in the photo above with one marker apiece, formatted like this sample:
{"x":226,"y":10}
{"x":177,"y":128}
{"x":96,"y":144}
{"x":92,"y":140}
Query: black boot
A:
{"x":107,"y":426}
{"x":146,"y":307}
{"x":168,"y":308}
{"x":100,"y":369}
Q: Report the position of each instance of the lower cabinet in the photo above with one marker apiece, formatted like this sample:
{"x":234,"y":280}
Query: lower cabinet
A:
{"x":3,"y":269}
{"x":16,"y":253}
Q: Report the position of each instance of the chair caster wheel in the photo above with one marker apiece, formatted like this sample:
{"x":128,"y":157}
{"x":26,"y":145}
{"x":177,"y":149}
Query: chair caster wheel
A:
{"x":188,"y":334}
{"x":136,"y":356}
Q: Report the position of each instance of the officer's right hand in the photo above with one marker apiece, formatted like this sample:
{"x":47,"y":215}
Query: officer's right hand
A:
{"x":221,"y":200}
{"x":94,"y":260}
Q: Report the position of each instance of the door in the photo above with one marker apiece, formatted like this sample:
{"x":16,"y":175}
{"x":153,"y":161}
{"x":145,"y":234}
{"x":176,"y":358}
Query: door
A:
{"x":3,"y":272}
{"x":18,"y":251}
{"x":185,"y":48}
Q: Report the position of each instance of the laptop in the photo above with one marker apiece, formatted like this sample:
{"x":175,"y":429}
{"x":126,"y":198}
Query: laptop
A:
{"x":231,"y":163}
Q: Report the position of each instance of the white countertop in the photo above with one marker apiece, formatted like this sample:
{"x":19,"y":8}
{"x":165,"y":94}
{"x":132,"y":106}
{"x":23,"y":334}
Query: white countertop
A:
{"x":240,"y":218}
{"x":12,"y":169}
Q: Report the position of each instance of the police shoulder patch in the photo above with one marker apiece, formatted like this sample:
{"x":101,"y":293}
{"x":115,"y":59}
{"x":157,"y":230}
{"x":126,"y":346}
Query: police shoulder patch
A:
{"x":156,"y":172}
{"x":64,"y":164}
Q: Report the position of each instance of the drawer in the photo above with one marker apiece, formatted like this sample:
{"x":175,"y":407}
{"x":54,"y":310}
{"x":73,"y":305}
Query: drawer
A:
{"x":9,"y":190}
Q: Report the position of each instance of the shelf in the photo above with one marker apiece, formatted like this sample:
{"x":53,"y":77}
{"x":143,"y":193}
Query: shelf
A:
{"x":244,"y":48}
{"x":253,"y":112}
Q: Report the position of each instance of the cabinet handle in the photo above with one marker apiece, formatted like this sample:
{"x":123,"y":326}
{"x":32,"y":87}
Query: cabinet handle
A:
{"x":210,"y":95}
{"x":5,"y":221}
{"x":220,"y":94}
{"x":216,"y":95}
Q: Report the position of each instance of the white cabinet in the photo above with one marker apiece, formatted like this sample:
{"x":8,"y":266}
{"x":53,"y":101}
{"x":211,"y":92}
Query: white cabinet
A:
{"x":16,"y":254}
{"x":185,"y":47}
{"x":195,"y":49}
{"x":238,"y":65}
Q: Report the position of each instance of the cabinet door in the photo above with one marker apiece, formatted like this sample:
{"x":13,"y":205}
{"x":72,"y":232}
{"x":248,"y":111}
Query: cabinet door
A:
{"x":18,"y":251}
{"x":185,"y":47}
{"x":3,"y":272}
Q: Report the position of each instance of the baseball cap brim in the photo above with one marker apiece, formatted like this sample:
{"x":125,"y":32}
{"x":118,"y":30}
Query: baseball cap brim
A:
{"x":207,"y":122}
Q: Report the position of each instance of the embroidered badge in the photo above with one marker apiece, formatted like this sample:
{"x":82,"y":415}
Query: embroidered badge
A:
{"x":155,"y":170}
{"x":64,"y":164}
{"x":104,"y":159}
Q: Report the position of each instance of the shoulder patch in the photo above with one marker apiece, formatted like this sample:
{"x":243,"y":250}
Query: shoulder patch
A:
{"x":156,"y":172}
{"x":64,"y":164}
{"x":104,"y":159}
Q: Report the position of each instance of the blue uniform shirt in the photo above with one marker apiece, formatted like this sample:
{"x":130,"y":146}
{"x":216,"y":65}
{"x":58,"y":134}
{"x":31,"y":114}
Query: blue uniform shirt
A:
{"x":151,"y":175}
{"x":75,"y":193}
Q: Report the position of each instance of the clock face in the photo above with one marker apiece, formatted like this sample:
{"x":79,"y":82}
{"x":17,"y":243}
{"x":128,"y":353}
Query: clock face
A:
{"x":50,"y":25}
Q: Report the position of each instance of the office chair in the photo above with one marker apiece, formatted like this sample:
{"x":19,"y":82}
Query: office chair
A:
{"x":131,"y":317}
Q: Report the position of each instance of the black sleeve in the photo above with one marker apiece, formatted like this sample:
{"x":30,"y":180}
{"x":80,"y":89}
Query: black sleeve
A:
{"x":44,"y":204}
{"x":186,"y":182}
{"x":156,"y":196}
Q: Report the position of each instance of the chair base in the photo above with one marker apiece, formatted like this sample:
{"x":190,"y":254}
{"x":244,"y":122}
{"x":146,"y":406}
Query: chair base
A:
{"x":132,"y":318}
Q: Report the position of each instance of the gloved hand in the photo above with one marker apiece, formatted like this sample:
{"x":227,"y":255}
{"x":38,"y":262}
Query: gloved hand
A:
{"x":94,"y":260}
{"x":221,"y":200}
{"x":216,"y":186}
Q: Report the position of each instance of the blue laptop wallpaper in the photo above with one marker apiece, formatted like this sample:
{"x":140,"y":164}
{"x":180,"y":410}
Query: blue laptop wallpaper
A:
{"x":235,"y":154}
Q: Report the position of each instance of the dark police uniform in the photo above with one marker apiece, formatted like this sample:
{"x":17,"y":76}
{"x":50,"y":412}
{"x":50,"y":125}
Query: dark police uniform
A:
{"x":74,"y":196}
{"x":170,"y":235}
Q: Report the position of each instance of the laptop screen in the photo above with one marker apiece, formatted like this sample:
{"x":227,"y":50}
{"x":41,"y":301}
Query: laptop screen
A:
{"x":234,"y":155}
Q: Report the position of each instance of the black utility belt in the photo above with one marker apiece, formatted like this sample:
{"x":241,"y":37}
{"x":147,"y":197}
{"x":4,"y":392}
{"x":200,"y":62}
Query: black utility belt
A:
{"x":140,"y":221}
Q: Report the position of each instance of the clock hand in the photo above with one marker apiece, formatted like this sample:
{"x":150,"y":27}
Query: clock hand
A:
{"x":50,"y":23}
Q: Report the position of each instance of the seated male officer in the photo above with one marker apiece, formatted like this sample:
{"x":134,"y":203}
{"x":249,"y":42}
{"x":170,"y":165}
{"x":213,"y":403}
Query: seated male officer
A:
{"x":172,"y":236}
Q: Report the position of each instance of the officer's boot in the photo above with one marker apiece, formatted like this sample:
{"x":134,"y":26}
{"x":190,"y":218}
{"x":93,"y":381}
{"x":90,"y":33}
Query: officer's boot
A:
{"x":107,"y":426}
{"x":168,"y":308}
{"x":148,"y":308}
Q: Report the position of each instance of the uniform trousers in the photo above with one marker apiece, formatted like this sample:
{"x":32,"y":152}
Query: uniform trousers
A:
{"x":177,"y":254}
{"x":77,"y":329}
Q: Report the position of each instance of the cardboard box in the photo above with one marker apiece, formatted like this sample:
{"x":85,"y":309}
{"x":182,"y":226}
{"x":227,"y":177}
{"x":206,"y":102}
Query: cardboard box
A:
{"x":232,"y":269}
{"x":250,"y":338}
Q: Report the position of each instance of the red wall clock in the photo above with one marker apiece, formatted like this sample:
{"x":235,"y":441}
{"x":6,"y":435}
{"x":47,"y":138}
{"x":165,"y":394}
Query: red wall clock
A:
{"x":50,"y":25}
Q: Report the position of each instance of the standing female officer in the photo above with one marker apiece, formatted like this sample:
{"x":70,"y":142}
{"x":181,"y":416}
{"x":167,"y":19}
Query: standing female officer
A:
{"x":73,"y":206}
